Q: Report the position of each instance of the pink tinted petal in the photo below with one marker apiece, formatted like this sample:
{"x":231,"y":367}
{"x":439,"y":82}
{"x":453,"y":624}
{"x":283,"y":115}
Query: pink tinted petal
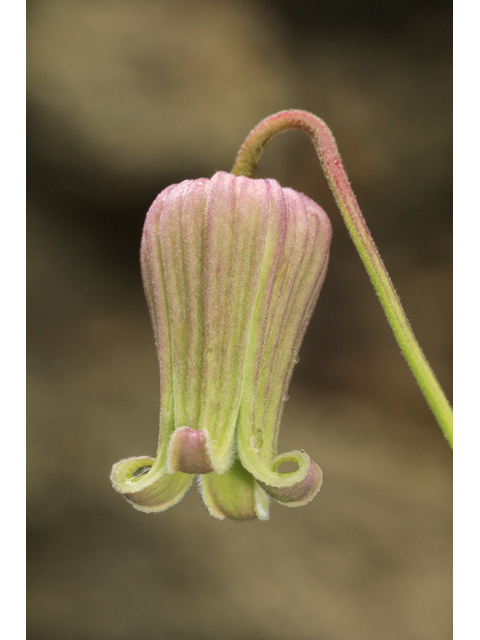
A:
{"x":187,"y":451}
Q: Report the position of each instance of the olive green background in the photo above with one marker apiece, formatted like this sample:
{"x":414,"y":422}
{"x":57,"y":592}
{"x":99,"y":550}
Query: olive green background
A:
{"x":125,"y":98}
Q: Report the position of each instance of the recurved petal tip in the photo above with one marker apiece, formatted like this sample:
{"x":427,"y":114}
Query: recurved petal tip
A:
{"x":147,"y":489}
{"x":301,"y":492}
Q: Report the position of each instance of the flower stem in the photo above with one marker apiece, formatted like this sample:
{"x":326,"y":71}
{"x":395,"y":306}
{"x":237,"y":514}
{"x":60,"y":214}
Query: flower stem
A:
{"x":324,"y":142}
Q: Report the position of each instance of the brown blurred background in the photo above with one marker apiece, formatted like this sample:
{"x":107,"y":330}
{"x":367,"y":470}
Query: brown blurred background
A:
{"x":125,"y":98}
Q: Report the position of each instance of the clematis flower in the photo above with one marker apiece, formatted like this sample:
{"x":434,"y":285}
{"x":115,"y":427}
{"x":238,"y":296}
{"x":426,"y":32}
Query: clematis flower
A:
{"x":232,"y":268}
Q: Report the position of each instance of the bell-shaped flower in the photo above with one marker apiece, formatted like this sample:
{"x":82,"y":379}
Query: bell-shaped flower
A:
{"x":232,"y":268}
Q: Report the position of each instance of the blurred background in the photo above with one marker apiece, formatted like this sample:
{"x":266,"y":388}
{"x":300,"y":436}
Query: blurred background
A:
{"x":125,"y":98}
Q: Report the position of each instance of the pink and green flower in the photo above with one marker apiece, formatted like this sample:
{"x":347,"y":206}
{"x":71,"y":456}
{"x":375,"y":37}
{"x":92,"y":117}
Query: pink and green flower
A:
{"x":232,"y":268}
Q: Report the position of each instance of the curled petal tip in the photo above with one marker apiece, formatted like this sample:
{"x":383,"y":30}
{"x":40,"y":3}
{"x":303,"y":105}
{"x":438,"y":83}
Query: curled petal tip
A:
{"x":301,"y":492}
{"x":147,"y":489}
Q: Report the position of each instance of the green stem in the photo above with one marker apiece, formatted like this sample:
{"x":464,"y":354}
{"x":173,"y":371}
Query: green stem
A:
{"x":246,"y":164}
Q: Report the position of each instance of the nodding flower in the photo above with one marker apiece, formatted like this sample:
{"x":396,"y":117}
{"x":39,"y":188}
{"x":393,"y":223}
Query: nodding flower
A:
{"x":232,"y":268}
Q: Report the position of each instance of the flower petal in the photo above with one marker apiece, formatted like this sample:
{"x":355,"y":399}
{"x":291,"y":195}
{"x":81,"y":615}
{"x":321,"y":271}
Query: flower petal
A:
{"x":298,"y":494}
{"x":294,"y":268}
{"x":202,"y":253}
{"x":295,"y":264}
{"x":148,"y":489}
{"x":234,"y":494}
{"x":188,"y":451}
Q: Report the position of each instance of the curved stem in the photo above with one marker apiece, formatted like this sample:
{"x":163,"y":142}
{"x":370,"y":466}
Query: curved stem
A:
{"x":246,"y":164}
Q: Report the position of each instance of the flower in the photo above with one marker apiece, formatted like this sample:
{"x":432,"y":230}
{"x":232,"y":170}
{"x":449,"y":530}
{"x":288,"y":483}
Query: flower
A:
{"x":232,"y":268}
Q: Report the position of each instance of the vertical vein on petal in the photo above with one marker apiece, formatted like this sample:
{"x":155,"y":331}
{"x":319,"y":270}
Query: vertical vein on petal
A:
{"x":155,"y":289}
{"x":304,"y":292}
{"x":278,"y":348}
{"x":216,"y":267}
{"x":192,"y":241}
{"x":254,"y":396}
{"x":236,"y":228}
{"x":299,"y":273}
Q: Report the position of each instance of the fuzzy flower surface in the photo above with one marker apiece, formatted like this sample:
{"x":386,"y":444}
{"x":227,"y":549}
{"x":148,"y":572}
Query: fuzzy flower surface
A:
{"x":232,"y":268}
